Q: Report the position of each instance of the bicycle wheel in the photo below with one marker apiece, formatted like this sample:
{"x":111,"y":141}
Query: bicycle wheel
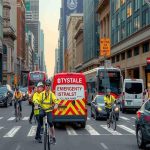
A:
{"x":16,"y":114}
{"x":48,"y":141}
{"x":114,"y":125}
{"x":45,"y":139}
{"x":19,"y":114}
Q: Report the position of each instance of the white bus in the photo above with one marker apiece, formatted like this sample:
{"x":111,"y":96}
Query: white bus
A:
{"x":99,"y":79}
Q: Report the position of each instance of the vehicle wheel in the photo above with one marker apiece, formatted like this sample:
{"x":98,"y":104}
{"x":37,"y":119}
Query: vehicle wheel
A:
{"x":10,"y":103}
{"x":83,"y":124}
{"x":139,"y":136}
{"x":6,"y":104}
{"x":95,"y":116}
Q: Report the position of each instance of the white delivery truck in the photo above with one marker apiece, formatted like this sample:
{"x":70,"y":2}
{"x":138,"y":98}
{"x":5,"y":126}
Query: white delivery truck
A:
{"x":133,"y":94}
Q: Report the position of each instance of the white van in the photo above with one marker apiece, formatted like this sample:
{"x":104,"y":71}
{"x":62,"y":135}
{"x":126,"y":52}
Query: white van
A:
{"x":133,"y":94}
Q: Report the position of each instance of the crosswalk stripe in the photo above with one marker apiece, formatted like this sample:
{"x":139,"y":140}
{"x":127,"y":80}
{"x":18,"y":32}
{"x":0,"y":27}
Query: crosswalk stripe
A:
{"x":1,"y":128}
{"x":32,"y":131}
{"x":13,"y":131}
{"x":91,"y":130}
{"x":11,"y":118}
{"x":25,"y":118}
{"x":88,"y":118}
{"x":1,"y":118}
{"x":133,"y":117}
{"x":127,"y":129}
{"x":110,"y":130}
{"x":124,"y":118}
{"x":70,"y":130}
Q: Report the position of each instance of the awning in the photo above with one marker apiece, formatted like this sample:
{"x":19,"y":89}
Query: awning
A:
{"x":147,"y":68}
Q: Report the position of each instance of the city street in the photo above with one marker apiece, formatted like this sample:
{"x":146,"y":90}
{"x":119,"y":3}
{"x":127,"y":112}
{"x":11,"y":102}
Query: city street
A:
{"x":96,"y":136}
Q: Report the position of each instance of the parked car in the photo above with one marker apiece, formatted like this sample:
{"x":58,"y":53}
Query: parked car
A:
{"x":98,"y":108}
{"x":142,"y":124}
{"x":24,"y":92}
{"x":6,"y":95}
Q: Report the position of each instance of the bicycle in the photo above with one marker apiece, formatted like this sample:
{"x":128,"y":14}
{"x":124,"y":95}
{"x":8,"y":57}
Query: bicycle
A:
{"x":112,"y":118}
{"x":17,"y":111}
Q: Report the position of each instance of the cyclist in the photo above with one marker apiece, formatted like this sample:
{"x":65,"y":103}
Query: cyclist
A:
{"x":18,"y":97}
{"x":48,"y":103}
{"x":109,"y":101}
{"x":36,"y":101}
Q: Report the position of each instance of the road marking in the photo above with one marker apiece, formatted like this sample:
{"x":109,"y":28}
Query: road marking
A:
{"x":91,"y":130}
{"x":124,"y":118}
{"x":71,"y":131}
{"x":88,"y":118}
{"x":32,"y":131}
{"x":13,"y":131}
{"x":110,"y":130}
{"x":127,"y":129}
{"x":25,"y":118}
{"x":104,"y":146}
{"x":133,"y":125}
{"x":133,"y":117}
{"x":18,"y":147}
{"x":11,"y":118}
{"x":1,"y":128}
{"x":1,"y":118}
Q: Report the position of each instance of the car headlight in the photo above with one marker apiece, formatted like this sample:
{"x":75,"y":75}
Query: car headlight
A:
{"x":99,"y":108}
{"x":116,"y":109}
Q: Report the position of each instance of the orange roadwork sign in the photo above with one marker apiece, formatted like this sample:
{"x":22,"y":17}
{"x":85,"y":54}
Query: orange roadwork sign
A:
{"x":104,"y":47}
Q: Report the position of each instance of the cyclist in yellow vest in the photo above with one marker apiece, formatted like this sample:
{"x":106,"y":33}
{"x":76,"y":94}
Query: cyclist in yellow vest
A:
{"x":48,"y":103}
{"x":37,"y":103}
{"x":109,"y":101}
{"x":17,"y":97}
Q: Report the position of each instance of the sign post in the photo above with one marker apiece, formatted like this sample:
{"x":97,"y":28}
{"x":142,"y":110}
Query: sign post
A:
{"x":105,"y":52}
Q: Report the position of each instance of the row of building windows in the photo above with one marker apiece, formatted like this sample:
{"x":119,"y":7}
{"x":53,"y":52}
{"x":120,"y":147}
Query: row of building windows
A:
{"x":129,"y":53}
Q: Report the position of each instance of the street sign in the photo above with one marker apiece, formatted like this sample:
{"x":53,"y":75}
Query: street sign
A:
{"x":105,"y":47}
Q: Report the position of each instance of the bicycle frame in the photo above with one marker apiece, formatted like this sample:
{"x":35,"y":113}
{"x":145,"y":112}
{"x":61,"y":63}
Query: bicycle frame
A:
{"x":17,"y":111}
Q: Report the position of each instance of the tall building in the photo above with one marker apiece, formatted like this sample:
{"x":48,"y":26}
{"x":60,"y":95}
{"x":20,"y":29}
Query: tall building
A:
{"x":8,"y":45}
{"x":91,"y":36}
{"x":56,"y":61}
{"x":67,"y":8}
{"x":33,"y":24}
{"x":1,"y":38}
{"x":42,"y":57}
{"x":130,"y":36}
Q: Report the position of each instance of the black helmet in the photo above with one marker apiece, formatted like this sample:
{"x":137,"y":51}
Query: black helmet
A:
{"x":48,"y":82}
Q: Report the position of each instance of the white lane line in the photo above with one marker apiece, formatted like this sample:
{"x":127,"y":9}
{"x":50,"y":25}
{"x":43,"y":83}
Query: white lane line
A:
{"x":32,"y":131}
{"x":104,"y":146}
{"x":25,"y":118}
{"x":110,"y":130}
{"x":133,"y":117}
{"x":127,"y":129}
{"x":71,"y":131}
{"x":13,"y":131}
{"x":1,"y":128}
{"x":11,"y":118}
{"x":91,"y":130}
{"x":124,"y":118}
{"x":1,"y":118}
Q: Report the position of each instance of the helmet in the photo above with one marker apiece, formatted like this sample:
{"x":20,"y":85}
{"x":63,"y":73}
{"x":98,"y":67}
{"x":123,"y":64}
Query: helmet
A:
{"x":108,"y":91}
{"x":40,"y":84}
{"x":48,"y":82}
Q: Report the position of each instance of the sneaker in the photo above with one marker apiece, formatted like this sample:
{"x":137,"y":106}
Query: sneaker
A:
{"x":54,"y":140}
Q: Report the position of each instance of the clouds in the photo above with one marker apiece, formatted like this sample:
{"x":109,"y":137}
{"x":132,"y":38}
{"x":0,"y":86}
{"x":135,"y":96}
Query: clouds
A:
{"x":49,"y":18}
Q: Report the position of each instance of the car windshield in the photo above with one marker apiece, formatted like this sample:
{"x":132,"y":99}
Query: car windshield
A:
{"x":100,"y":99}
{"x":3,"y":90}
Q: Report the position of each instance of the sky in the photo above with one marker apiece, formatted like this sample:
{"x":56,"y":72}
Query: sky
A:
{"x":49,"y":18}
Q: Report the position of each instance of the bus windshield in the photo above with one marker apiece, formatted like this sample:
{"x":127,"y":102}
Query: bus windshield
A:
{"x":110,"y":80}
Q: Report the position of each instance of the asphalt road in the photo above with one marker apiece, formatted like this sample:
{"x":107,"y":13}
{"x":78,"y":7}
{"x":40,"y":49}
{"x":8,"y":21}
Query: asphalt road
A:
{"x":96,"y":136}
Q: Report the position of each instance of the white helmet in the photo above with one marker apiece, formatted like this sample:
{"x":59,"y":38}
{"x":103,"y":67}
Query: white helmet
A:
{"x":40,"y":84}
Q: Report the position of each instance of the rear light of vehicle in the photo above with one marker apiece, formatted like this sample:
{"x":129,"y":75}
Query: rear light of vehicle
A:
{"x":147,"y":118}
{"x":138,"y":114}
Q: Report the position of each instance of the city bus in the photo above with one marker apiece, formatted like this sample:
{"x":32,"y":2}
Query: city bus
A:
{"x":70,"y":90}
{"x":35,"y":77}
{"x":101,"y":78}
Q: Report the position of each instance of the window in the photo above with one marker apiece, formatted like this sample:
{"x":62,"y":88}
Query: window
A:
{"x":5,"y":49}
{"x":145,"y":47}
{"x":122,"y":2}
{"x":135,"y":88}
{"x":129,"y":9}
{"x":118,"y":58}
{"x":129,"y":27}
{"x":129,"y":53}
{"x":117,"y":19}
{"x":117,"y":4}
{"x":136,"y":23}
{"x":113,"y":23}
{"x":136,"y":5}
{"x":123,"y":14}
{"x":122,"y":31}
{"x":113,"y":59}
{"x":145,"y":17}
{"x":123,"y":56}
{"x":136,"y":51}
{"x":143,"y":2}
{"x":147,"y":106}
